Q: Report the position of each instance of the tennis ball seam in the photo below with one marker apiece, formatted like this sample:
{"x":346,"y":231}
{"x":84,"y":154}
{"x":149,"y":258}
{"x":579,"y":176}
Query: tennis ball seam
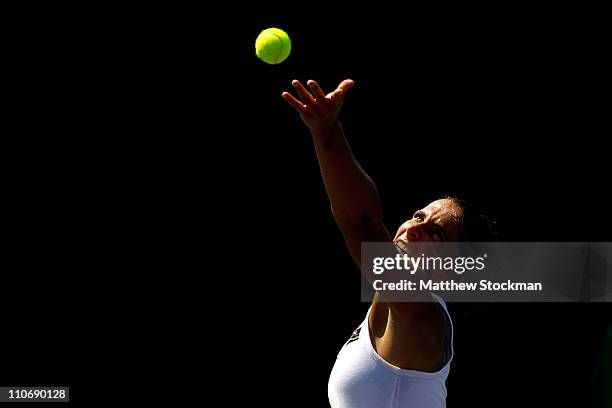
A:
{"x":280,"y":49}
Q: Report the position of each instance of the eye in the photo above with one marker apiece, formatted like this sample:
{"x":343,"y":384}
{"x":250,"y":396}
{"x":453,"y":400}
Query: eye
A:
{"x":417,"y":217}
{"x":439,"y":234}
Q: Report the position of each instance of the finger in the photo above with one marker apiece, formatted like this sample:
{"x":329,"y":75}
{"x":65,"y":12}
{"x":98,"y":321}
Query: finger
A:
{"x":337,"y":95}
{"x":299,"y":106}
{"x":346,"y":84}
{"x":316,"y":90}
{"x":307,"y":98}
{"x":340,"y":92}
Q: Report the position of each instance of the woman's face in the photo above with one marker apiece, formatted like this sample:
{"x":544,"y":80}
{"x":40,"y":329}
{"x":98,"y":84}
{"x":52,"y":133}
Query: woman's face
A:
{"x":440,"y":221}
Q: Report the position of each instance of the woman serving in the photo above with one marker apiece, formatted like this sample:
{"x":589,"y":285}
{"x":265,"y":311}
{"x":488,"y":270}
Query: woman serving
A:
{"x":400,"y":355}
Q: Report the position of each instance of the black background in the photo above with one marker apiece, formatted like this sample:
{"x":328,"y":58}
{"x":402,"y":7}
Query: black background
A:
{"x":503,"y":108}
{"x":151,"y":143}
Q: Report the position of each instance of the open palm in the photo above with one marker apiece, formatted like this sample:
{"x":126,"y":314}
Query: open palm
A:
{"x":316,"y":109}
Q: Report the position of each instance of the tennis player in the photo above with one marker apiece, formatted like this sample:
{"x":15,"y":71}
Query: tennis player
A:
{"x":400,"y":354}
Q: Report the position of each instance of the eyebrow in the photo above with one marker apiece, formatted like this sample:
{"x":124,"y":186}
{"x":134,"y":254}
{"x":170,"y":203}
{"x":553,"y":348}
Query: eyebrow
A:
{"x":418,"y":212}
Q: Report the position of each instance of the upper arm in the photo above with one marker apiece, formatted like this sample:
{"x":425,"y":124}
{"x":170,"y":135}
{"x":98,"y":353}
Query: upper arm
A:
{"x":373,"y":230}
{"x":370,"y":230}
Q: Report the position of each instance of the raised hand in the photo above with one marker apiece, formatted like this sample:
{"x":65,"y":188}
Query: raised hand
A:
{"x":316,"y":109}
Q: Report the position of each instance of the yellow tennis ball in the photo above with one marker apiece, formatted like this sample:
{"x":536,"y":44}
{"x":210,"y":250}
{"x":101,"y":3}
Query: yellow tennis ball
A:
{"x":273,"y":46}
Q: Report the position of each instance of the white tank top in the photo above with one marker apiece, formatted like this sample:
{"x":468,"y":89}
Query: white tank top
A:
{"x":362,"y":379}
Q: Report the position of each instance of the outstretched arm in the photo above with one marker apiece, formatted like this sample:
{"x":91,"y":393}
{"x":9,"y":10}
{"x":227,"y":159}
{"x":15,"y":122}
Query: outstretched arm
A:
{"x":354,"y":199}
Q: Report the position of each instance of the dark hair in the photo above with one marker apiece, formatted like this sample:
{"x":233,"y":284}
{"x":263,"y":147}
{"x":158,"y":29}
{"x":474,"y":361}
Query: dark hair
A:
{"x":477,"y":227}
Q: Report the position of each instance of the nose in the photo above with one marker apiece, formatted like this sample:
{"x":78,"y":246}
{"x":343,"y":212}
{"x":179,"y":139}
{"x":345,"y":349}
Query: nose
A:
{"x":414,"y":233}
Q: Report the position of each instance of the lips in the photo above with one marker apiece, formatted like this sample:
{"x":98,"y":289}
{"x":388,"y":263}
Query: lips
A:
{"x":402,"y":247}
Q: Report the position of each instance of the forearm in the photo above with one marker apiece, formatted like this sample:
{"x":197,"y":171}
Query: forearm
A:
{"x":352,"y":194}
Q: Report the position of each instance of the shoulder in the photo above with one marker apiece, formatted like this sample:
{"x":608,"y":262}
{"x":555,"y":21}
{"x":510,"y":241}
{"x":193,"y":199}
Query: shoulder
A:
{"x":410,"y":313}
{"x":409,"y":335}
{"x":417,"y":312}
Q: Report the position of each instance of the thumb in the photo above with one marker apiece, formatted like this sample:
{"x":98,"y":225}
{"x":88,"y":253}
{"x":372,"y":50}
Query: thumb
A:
{"x":346,"y":85}
{"x":340,"y":92}
{"x":337,"y":95}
